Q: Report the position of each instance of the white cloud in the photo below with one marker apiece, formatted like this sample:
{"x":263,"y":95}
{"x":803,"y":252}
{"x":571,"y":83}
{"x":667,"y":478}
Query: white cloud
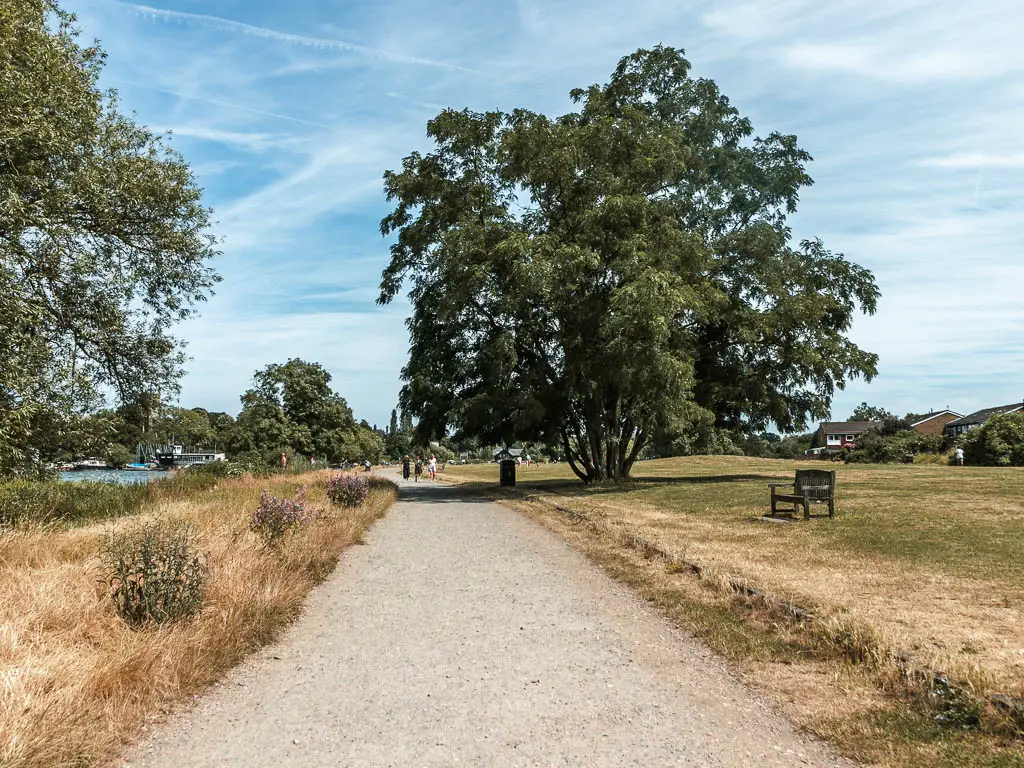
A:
{"x":364,"y":353}
{"x":337,"y":171}
{"x":871,"y":60}
{"x":253,"y":142}
{"x":229,"y":104}
{"x":975,"y":160}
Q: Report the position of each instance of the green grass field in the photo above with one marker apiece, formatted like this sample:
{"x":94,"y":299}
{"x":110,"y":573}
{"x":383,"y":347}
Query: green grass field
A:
{"x":964,"y":521}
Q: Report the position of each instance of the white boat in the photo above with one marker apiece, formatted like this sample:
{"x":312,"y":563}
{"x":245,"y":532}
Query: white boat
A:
{"x":177,"y":457}
{"x":91,"y":463}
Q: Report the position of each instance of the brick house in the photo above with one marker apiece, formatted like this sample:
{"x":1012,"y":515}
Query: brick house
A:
{"x":934,"y":423}
{"x":839,"y":435}
{"x":957,"y":427}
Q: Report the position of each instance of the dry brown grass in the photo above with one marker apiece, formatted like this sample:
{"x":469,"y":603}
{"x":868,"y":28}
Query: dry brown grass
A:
{"x":76,"y":683}
{"x":924,"y":559}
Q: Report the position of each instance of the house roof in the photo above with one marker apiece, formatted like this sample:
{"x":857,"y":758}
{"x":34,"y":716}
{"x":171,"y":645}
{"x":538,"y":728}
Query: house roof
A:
{"x":980,"y":417}
{"x":851,"y":427}
{"x":929,"y":416}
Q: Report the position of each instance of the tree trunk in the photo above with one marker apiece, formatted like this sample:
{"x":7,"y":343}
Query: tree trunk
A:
{"x":598,"y":455}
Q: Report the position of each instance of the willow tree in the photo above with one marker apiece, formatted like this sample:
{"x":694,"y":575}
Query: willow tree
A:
{"x":591,"y":279}
{"x":104,"y":240}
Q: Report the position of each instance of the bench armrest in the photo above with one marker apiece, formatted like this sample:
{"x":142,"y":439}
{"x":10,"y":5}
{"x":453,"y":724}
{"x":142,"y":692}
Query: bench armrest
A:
{"x":781,"y":485}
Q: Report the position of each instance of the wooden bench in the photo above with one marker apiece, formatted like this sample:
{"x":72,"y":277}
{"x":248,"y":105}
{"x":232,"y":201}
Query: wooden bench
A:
{"x":811,"y":486}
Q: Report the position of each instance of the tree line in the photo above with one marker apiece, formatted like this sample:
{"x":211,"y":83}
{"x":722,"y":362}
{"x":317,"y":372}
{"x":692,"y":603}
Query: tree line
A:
{"x":290,"y":409}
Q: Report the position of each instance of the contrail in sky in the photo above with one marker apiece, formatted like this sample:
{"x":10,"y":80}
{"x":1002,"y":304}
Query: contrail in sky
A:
{"x":227,"y":25}
{"x":220,"y":103}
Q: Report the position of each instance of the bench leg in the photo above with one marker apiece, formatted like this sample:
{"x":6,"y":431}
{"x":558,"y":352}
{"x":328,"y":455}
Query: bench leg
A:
{"x":807,"y":509}
{"x":773,"y":503}
{"x":831,"y":509}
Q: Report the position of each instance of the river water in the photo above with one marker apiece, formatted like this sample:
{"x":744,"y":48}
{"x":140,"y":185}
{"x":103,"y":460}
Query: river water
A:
{"x":119,"y":476}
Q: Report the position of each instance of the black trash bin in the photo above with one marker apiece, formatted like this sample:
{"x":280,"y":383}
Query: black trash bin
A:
{"x":507,"y":471}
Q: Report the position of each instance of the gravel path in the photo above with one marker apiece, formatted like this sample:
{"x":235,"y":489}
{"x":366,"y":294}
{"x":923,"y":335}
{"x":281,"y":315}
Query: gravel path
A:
{"x":465,"y":634}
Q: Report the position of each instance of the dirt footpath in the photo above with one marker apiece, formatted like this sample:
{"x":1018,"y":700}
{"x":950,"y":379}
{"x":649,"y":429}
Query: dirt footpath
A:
{"x":465,"y":634}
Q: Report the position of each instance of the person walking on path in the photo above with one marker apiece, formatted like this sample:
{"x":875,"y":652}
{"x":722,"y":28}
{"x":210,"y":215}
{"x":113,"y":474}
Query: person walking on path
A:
{"x":406,"y":468}
{"x":432,"y":468}
{"x":418,"y":468}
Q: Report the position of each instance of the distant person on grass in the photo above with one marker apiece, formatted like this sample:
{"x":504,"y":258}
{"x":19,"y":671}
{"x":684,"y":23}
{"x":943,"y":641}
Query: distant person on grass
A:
{"x":418,"y":468}
{"x":959,"y":454}
{"x":432,"y":468}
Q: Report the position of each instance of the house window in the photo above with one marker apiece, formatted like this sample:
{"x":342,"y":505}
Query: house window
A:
{"x":835,"y":438}
{"x":850,"y":438}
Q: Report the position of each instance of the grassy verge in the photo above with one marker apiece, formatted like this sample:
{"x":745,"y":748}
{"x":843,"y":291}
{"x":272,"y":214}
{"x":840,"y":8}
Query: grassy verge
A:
{"x":922,"y":559}
{"x":77,"y":683}
{"x":59,"y":503}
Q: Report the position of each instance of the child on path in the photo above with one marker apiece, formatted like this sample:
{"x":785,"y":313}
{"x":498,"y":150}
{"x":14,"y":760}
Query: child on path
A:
{"x":418,"y":468}
{"x":432,"y":468}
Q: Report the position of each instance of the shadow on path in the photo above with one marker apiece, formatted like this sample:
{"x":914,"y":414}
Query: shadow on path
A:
{"x":438,"y":493}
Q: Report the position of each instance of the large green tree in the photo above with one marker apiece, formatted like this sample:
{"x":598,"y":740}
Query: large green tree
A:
{"x":865,"y":412}
{"x":104,"y":241}
{"x":625,"y":269}
{"x":292,"y":405}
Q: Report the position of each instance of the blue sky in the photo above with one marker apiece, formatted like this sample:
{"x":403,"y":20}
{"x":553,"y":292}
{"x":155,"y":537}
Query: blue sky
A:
{"x":291,"y":112}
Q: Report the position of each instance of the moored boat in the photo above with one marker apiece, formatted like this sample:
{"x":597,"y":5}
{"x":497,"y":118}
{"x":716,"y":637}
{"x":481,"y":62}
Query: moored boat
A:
{"x":91,"y":463}
{"x":177,"y":457}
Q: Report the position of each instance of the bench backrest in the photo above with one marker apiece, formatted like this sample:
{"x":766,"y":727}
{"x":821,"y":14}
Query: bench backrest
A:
{"x":816,"y":483}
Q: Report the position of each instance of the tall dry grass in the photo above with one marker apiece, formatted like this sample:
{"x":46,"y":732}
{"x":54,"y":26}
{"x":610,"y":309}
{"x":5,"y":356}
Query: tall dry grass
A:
{"x":76,"y":683}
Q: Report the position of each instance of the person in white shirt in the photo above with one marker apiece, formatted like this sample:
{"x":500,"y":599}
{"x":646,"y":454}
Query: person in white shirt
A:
{"x":959,"y":454}
{"x":432,"y":467}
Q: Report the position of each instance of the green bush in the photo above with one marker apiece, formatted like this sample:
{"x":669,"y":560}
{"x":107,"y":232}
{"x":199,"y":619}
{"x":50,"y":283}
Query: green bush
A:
{"x":155,"y":572}
{"x":877,"y":447}
{"x":118,"y":456}
{"x":217,"y":469}
{"x":49,"y":501}
{"x":999,"y":442}
{"x":254,"y":463}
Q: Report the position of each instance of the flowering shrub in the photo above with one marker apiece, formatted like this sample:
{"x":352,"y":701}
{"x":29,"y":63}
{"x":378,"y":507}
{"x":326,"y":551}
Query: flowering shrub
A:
{"x":275,"y":517}
{"x":155,"y":572}
{"x":348,"y":490}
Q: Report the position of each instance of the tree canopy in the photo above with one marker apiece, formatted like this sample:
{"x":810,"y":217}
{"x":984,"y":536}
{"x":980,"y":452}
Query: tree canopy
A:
{"x":592,"y":279}
{"x":104,"y":241}
{"x":865,"y":412}
{"x":291,"y":405}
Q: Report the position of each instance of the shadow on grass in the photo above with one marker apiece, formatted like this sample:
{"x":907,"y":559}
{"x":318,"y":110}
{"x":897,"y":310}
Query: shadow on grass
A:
{"x":634,"y":483}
